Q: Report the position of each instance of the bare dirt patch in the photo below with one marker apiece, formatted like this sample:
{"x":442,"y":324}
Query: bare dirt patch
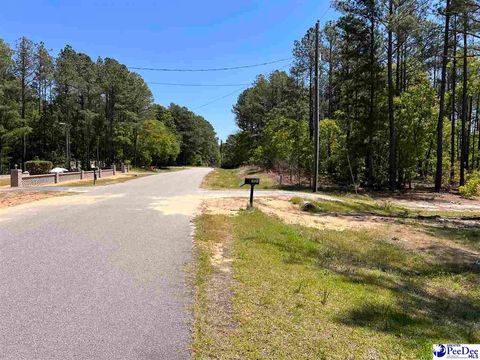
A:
{"x":13,"y":198}
{"x":291,"y":214}
{"x":219,"y":289}
{"x":4,"y":182}
{"x":50,"y":198}
{"x":177,"y":205}
{"x":288,"y":212}
{"x":223,"y":206}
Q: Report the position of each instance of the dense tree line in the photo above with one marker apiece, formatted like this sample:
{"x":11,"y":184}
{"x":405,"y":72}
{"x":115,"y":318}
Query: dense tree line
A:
{"x":400,"y":98}
{"x":78,"y":112}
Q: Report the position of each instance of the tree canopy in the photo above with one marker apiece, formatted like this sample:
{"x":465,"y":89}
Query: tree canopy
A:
{"x":388,"y":106}
{"x":78,"y":112}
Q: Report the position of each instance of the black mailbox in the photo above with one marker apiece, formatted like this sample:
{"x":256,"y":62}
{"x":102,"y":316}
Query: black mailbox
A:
{"x":252,"y":181}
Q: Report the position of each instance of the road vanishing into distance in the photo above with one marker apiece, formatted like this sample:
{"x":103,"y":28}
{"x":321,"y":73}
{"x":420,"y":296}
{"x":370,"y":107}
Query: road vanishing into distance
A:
{"x":100,"y":275}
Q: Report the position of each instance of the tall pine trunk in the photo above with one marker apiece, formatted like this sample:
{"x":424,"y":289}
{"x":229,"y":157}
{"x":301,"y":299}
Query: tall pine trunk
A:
{"x":453,"y":112}
{"x":391,"y":115}
{"x":369,"y":153}
{"x":441,"y":111}
{"x":463,"y":150}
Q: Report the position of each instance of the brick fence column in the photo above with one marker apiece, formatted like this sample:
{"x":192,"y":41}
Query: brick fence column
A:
{"x":57,"y":178}
{"x":16,"y":177}
{"x":99,"y":173}
{"x":82,"y":174}
{"x":124,"y":168}
{"x":114,"y":167}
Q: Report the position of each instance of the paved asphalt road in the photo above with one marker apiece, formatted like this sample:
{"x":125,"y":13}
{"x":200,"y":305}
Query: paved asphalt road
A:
{"x":98,"y":275}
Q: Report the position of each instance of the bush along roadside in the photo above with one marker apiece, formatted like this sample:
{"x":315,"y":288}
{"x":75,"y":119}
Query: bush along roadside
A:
{"x":472,"y":185}
{"x":38,"y":167}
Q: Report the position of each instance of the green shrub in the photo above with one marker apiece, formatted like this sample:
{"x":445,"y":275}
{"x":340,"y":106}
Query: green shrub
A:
{"x":197,"y":160}
{"x":296,"y":200}
{"x":37,"y":167}
{"x":472,"y":185}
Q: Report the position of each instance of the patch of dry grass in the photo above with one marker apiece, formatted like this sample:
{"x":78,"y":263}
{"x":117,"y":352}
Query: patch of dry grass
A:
{"x":326,"y":294}
{"x":104,"y":181}
{"x":232,"y":178}
{"x":213,"y":284}
{"x":4,"y":182}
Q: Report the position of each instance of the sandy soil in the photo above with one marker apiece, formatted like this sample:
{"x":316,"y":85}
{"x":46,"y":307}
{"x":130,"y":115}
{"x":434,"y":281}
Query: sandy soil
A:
{"x":431,"y":201}
{"x":13,"y":198}
{"x":402,"y":232}
{"x":177,"y":205}
{"x":288,"y":212}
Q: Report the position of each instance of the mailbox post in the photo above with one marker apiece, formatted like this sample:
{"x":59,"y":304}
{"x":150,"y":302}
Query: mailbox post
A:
{"x":252,"y":182}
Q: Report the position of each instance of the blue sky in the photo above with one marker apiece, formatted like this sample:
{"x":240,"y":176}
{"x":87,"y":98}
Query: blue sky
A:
{"x":172,"y":34}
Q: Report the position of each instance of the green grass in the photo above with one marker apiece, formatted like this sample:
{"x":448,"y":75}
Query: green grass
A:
{"x":232,"y":178}
{"x":448,"y":214}
{"x":365,"y":205}
{"x":221,"y":179}
{"x":301,"y":293}
{"x":210,"y":230}
{"x":159,"y":170}
{"x":469,"y":236}
{"x":347,"y":205}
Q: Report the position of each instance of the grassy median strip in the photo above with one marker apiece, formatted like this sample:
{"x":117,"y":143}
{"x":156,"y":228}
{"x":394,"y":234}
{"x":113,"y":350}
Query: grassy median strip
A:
{"x":300,"y":293}
{"x":166,"y":169}
{"x":135,"y":174}
{"x":231,"y":178}
{"x":104,"y":181}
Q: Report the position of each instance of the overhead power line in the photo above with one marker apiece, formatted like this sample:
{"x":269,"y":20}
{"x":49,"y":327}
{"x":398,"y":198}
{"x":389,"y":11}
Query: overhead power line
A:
{"x":211,"y":69}
{"x":233,"y":92}
{"x":186,"y":84}
{"x":220,"y":98}
{"x":325,"y":12}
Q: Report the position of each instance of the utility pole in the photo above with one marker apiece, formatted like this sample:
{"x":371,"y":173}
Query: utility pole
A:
{"x":68,"y":145}
{"x":316,"y":111}
{"x":221,"y":153}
